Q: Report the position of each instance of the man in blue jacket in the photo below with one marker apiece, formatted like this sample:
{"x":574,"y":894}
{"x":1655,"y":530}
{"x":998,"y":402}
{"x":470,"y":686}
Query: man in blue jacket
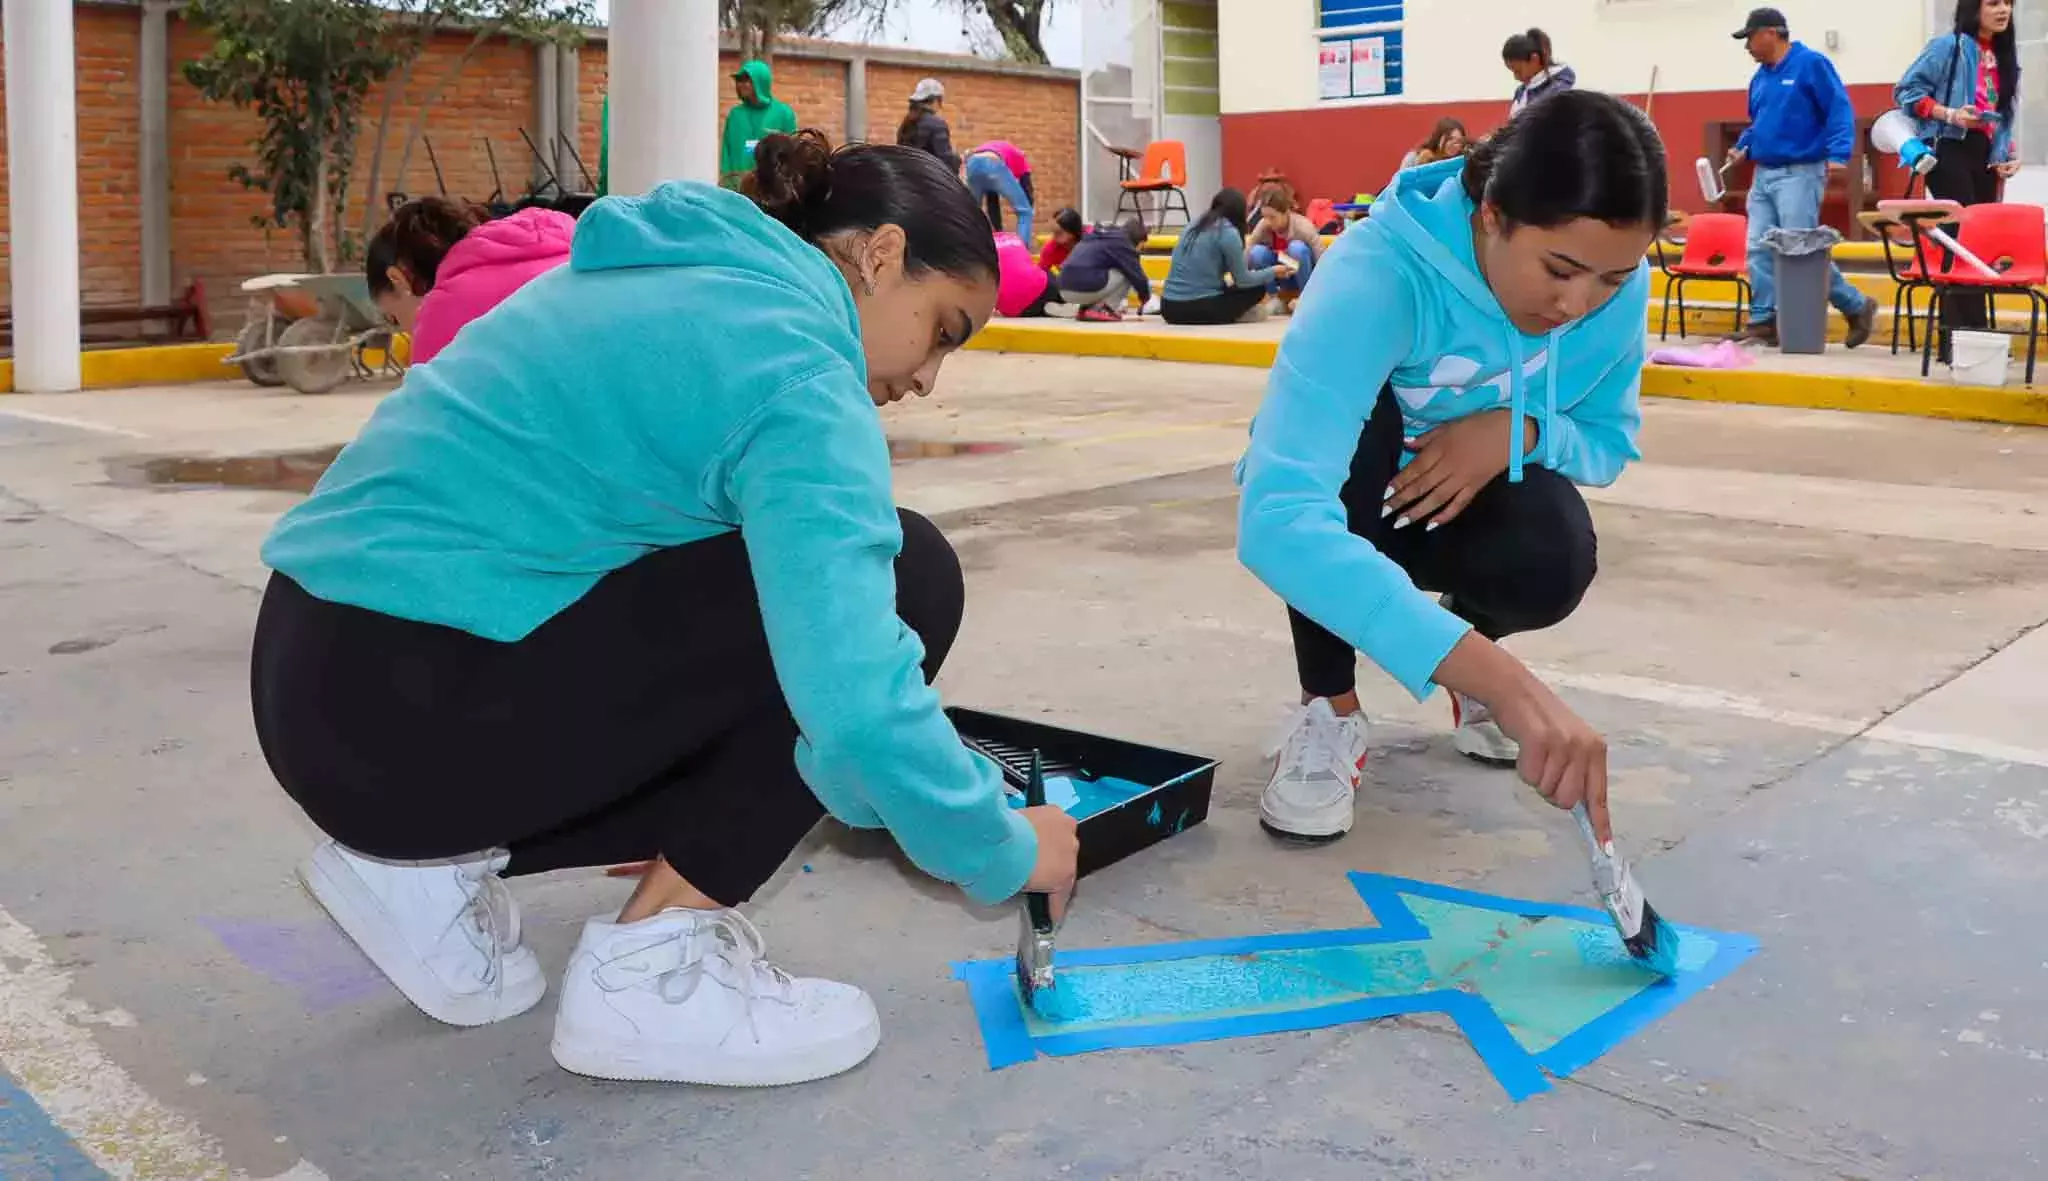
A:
{"x":1801,"y":130}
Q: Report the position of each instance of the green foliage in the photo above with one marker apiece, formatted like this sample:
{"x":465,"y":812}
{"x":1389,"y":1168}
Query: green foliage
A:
{"x":304,"y":67}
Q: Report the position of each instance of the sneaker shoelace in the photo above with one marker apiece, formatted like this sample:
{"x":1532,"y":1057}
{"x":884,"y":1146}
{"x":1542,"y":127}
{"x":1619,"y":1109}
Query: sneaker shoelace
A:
{"x":490,"y":920}
{"x":733,"y":939}
{"x":1311,"y":743}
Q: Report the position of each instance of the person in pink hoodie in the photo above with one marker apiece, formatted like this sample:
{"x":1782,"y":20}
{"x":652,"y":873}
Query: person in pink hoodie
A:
{"x":1022,"y":288}
{"x":437,"y":265}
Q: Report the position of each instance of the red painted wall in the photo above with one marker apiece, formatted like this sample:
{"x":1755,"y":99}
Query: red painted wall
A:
{"x":1338,"y":151}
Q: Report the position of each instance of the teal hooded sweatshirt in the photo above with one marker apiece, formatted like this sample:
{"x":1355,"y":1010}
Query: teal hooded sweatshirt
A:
{"x":696,"y":368}
{"x":1399,"y":301}
{"x":748,"y":123}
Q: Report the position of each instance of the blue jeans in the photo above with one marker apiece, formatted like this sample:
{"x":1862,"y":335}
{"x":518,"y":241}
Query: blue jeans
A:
{"x":987,"y":174}
{"x":1789,"y":196}
{"x":1263,"y":256}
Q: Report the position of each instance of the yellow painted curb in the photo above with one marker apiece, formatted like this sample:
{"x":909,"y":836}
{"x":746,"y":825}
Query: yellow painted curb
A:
{"x":1086,"y":341}
{"x":170,"y":364}
{"x":1867,"y":395}
{"x":1758,"y":387}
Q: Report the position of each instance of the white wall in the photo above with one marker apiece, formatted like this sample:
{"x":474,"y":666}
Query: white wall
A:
{"x":1453,"y":46}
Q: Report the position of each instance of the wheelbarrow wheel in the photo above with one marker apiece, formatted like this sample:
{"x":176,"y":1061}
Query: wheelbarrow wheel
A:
{"x":315,"y":372}
{"x":260,"y":370}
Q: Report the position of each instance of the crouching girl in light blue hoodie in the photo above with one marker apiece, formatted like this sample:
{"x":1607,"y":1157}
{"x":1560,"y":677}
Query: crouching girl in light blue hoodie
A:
{"x":1464,"y":358}
{"x":619,"y":577}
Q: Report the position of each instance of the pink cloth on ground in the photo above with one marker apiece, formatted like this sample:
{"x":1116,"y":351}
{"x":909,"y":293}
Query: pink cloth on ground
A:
{"x":1013,"y":156}
{"x":1019,"y":280}
{"x":1725,"y":354}
{"x":496,"y":259}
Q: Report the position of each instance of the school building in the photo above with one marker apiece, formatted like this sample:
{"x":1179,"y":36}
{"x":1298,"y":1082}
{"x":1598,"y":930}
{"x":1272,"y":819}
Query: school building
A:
{"x":1333,"y":92}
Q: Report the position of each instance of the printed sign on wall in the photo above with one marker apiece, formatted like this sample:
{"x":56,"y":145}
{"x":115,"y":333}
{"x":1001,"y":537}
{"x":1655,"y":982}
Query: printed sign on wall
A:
{"x":1334,"y":69}
{"x":1368,"y":67}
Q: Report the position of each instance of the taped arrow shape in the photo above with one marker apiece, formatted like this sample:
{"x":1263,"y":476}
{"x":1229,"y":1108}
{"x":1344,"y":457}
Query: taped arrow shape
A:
{"x":1535,"y":987}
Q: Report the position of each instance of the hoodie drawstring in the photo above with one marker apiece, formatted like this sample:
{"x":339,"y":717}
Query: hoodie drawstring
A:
{"x":1515,"y":403}
{"x":1518,"y":402}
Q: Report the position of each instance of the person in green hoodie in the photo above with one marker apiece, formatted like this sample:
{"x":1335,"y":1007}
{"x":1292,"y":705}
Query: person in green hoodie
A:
{"x":620,"y":577}
{"x":758,"y":114}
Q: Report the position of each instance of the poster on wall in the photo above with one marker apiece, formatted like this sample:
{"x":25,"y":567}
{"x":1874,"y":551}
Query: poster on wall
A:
{"x":1333,"y":71}
{"x":1368,"y":67}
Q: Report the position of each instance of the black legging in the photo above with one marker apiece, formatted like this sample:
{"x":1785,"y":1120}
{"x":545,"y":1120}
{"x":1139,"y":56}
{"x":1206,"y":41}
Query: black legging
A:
{"x":1519,"y":558}
{"x":1227,"y":308}
{"x":645,"y":718}
{"x":1962,"y":173}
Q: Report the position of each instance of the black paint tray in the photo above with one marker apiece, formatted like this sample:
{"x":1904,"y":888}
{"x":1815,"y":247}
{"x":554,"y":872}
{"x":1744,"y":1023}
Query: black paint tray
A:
{"x":1162,"y":791}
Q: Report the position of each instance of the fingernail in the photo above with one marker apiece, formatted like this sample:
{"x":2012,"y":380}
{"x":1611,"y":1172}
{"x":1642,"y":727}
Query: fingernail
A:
{"x":1400,"y":522}
{"x":1388,"y":494}
{"x":1431,"y":527}
{"x":1386,"y":510}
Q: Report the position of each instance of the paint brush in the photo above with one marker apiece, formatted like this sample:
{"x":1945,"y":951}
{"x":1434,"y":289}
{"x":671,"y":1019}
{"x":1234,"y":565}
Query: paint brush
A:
{"x":1649,"y":939}
{"x":1036,"y":930}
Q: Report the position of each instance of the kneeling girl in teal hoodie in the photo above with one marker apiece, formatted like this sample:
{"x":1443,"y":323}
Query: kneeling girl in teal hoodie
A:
{"x":619,"y":577}
{"x":1464,"y":358}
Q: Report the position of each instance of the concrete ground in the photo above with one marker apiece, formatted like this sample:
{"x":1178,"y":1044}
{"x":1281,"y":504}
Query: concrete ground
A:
{"x":1815,"y":644}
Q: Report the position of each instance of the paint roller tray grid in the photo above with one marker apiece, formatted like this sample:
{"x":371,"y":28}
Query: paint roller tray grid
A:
{"x":1127,"y":796}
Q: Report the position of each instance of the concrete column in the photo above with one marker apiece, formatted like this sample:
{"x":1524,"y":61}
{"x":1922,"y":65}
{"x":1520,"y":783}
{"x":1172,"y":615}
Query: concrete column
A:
{"x":546,"y":107}
{"x":856,"y":99}
{"x":569,"y":121}
{"x":42,"y":187}
{"x":155,"y":166}
{"x":664,"y":90}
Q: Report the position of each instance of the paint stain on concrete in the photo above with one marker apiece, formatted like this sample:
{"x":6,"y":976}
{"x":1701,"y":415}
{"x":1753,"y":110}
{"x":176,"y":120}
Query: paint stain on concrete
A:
{"x":82,"y":644}
{"x":902,"y":449}
{"x":284,"y":471}
{"x":317,"y":962}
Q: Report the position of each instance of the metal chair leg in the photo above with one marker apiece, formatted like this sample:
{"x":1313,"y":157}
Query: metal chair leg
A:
{"x":1927,"y":345}
{"x":2033,"y":329}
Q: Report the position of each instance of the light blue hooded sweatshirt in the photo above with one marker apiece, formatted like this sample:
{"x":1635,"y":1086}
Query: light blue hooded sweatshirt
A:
{"x":696,"y":368}
{"x":1399,"y":301}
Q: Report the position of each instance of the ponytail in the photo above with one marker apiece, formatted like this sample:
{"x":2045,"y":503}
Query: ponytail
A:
{"x":416,"y":239}
{"x":820,"y":194}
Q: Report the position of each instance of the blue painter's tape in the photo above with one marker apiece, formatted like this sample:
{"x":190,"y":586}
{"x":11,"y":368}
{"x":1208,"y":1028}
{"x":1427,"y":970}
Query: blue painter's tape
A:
{"x":1008,"y":1038}
{"x":32,"y":1147}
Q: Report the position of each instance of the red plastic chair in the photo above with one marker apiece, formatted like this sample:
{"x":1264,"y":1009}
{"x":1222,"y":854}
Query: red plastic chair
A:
{"x":1164,"y":171}
{"x":1714,"y":248}
{"x":1321,"y":212}
{"x":2011,"y":239}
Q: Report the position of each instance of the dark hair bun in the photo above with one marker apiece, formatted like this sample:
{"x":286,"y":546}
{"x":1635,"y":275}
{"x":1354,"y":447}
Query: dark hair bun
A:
{"x":792,"y":178}
{"x":430,"y":225}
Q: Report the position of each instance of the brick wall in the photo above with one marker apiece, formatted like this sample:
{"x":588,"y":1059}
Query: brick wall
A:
{"x":213,"y":233}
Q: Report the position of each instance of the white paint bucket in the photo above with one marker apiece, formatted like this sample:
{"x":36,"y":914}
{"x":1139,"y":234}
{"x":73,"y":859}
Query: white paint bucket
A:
{"x":1980,"y":358}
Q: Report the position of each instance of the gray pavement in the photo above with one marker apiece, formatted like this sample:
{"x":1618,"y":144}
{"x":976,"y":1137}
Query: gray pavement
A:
{"x":1814,"y":643}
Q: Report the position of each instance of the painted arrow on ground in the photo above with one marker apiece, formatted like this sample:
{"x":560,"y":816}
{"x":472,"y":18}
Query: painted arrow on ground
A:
{"x":1536,"y":987}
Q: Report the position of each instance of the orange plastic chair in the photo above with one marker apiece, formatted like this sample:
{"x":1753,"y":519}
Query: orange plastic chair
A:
{"x":1164,"y":171}
{"x":2011,"y":239}
{"x":1321,"y":212}
{"x":1715,"y":249}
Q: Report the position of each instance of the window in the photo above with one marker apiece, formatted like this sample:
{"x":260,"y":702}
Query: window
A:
{"x":1358,"y":49}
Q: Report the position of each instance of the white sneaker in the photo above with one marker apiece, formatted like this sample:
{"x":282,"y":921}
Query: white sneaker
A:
{"x":1477,"y":735}
{"x":446,"y":933}
{"x":1315,"y":781}
{"x":686,"y":997}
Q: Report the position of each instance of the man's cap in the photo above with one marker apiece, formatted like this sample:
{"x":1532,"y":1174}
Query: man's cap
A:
{"x":1763,"y":18}
{"x":927,"y":90}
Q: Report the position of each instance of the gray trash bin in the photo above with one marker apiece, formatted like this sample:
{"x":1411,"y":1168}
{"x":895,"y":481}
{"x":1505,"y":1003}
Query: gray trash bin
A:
{"x":1803,"y":261}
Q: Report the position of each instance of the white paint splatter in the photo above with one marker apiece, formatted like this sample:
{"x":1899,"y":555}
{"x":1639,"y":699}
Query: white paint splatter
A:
{"x":47,"y":1045}
{"x":1971,"y":1037}
{"x":2024,"y":817}
{"x":195,"y":1079}
{"x":1988,"y":1015}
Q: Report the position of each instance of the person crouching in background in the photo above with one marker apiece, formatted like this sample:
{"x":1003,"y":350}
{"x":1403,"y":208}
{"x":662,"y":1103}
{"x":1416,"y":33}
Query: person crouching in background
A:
{"x":1102,"y":272}
{"x":438,"y":264}
{"x":1067,"y":229}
